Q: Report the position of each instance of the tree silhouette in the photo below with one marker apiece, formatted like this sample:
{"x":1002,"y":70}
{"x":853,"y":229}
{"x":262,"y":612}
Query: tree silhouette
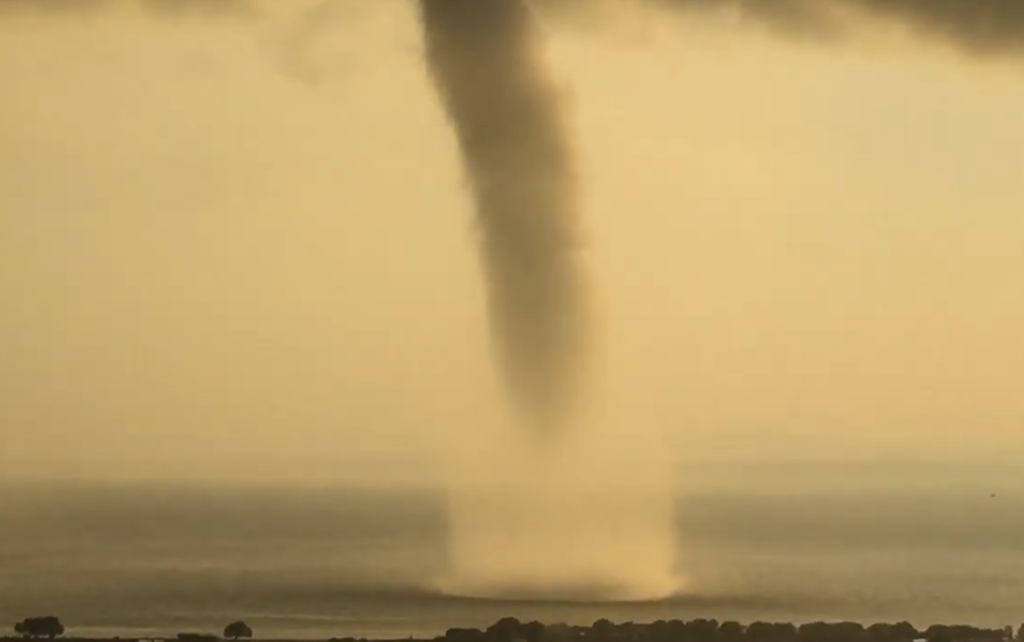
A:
{"x":40,"y":627}
{"x":701,"y":630}
{"x":770,"y":632}
{"x":602,"y":630}
{"x":731,"y":631}
{"x":559,"y":633}
{"x":881,"y":632}
{"x":504,"y":629}
{"x":533,"y":631}
{"x":938,"y":633}
{"x":904,"y":631}
{"x":237,"y":630}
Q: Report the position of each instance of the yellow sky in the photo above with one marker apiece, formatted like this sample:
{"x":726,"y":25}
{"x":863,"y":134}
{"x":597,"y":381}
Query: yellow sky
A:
{"x":244,"y":243}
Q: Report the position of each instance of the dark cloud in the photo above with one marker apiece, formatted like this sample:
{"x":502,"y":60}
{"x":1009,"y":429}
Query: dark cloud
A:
{"x":981,"y":27}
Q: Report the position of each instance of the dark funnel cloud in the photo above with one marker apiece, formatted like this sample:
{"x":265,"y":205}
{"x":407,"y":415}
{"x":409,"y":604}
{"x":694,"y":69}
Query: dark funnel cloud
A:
{"x":484,"y":61}
{"x":977,"y":27}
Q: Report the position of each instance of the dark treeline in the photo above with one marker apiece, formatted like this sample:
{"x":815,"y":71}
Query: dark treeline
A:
{"x":512,"y":630}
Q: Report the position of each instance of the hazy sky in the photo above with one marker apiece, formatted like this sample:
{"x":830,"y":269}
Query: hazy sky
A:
{"x":235,"y":244}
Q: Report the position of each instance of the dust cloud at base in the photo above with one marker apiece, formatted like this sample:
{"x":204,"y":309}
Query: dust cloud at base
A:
{"x":589,"y":521}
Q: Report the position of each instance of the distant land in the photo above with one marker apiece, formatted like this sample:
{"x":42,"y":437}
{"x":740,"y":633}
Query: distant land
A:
{"x":510,"y":629}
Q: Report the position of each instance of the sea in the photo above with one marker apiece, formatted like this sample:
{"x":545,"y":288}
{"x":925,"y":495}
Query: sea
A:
{"x":153,"y":559}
